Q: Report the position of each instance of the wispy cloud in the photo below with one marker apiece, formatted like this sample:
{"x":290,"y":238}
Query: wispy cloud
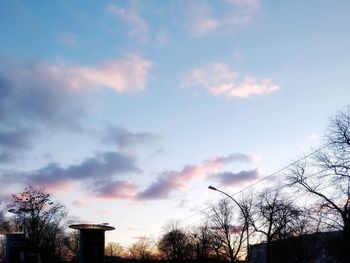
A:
{"x":93,"y":173}
{"x":116,"y":190}
{"x":48,"y":93}
{"x":127,"y":140}
{"x":238,"y":13}
{"x":124,"y":75}
{"x":138,"y":27}
{"x":202,"y":21}
{"x":171,"y":181}
{"x":231,"y":179}
{"x":104,"y":176}
{"x":218,"y":79}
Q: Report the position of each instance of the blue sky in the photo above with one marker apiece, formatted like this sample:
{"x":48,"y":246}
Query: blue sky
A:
{"x":127,"y":110}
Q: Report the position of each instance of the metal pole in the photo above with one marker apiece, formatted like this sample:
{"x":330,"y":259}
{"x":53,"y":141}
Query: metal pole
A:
{"x":246,"y":226}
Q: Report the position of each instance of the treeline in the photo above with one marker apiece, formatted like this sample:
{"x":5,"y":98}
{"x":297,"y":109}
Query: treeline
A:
{"x":44,"y":223}
{"x":313,"y":196}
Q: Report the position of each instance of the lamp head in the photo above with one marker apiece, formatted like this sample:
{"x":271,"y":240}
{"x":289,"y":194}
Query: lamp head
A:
{"x":14,"y":211}
{"x":212,"y":188}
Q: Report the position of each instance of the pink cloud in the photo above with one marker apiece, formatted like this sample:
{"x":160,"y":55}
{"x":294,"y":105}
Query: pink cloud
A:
{"x":170,"y":181}
{"x":117,"y":190}
{"x":126,"y":75}
{"x":108,"y":190}
{"x":57,"y":187}
{"x":83,"y":201}
{"x":99,"y":172}
{"x":218,"y":79}
{"x":247,"y":88}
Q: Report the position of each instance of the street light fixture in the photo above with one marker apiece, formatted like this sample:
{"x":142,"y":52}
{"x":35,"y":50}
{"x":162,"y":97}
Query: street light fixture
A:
{"x":246,"y":226}
{"x":14,"y":211}
{"x":18,"y":212}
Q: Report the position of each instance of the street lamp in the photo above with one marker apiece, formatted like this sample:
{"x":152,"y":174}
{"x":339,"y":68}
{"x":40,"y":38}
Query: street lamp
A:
{"x":246,"y":226}
{"x":19,"y":212}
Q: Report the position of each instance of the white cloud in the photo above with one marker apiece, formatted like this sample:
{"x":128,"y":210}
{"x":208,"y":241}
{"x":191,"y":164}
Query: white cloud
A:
{"x":126,"y":75}
{"x":218,"y":79}
{"x":211,"y":75}
{"x":237,"y":13}
{"x":138,"y":27}
{"x":202,"y":21}
{"x":248,"y":87}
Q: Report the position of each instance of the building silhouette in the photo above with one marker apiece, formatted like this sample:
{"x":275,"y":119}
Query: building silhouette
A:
{"x":320,"y":247}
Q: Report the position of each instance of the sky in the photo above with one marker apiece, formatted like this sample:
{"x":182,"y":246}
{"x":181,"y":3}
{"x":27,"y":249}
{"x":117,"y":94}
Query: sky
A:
{"x":126,"y":111}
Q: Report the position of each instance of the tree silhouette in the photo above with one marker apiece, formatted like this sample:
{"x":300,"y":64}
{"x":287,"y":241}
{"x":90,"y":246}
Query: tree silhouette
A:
{"x":175,"y":244}
{"x":273,"y":217}
{"x":42,"y":220}
{"x":326,"y":177}
{"x":230,"y":233}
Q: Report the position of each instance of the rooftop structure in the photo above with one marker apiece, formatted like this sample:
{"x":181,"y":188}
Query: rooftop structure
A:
{"x":92,"y":242}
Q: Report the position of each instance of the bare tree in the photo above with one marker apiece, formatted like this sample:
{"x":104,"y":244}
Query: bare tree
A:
{"x":113,"y":249}
{"x":42,"y":220}
{"x":5,"y":224}
{"x":204,"y":241}
{"x":175,"y":244}
{"x":217,"y":245}
{"x":326,"y":177}
{"x":141,"y":250}
{"x":70,"y":246}
{"x":274,"y":218}
{"x":230,"y":234}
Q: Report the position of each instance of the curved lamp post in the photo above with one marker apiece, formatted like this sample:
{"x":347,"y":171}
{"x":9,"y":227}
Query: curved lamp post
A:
{"x":246,"y":226}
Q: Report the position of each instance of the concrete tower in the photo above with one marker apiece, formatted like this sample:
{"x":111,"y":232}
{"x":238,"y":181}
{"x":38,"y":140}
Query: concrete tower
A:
{"x":92,"y":242}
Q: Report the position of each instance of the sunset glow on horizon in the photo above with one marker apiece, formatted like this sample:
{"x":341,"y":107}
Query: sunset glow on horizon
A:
{"x":126,"y":111}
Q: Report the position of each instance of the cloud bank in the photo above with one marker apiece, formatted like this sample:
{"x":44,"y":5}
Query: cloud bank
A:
{"x":101,"y":174}
{"x":37,"y":94}
{"x":171,"y":181}
{"x":107,"y":175}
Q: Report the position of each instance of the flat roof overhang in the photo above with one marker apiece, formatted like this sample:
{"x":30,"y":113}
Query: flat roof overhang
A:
{"x":91,"y":226}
